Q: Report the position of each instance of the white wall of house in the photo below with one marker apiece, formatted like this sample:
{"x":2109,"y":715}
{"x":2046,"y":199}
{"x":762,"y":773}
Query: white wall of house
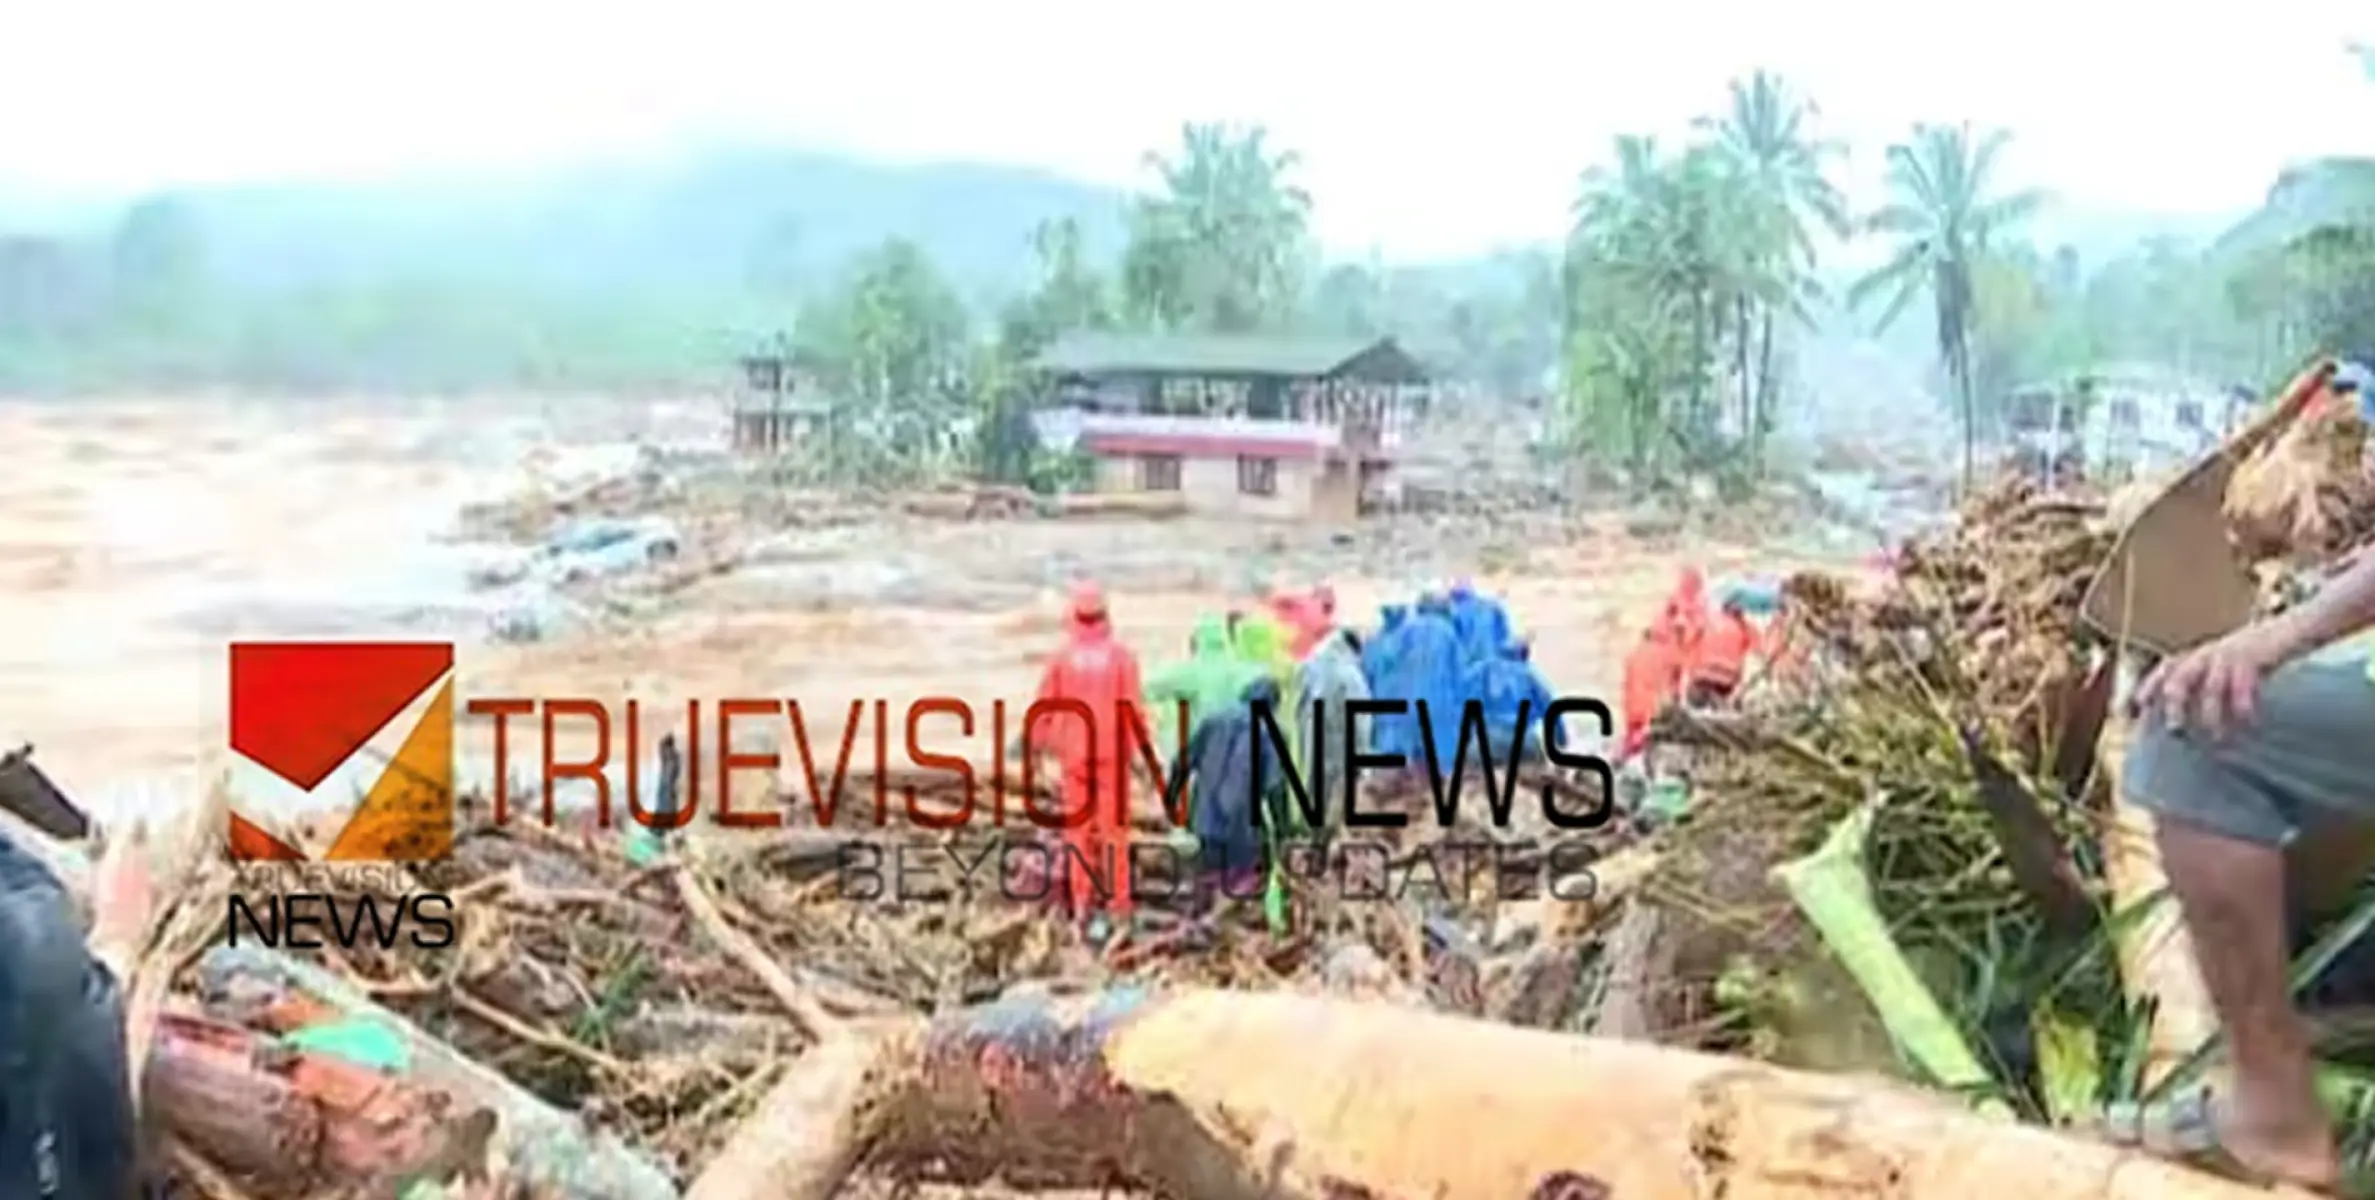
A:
{"x":1212,"y":485}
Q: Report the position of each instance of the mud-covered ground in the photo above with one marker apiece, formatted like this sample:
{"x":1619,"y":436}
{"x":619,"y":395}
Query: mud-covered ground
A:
{"x":141,"y":535}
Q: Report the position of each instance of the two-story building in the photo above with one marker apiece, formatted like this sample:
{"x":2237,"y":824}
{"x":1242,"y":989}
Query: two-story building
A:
{"x":1257,"y":426}
{"x":778,"y":406}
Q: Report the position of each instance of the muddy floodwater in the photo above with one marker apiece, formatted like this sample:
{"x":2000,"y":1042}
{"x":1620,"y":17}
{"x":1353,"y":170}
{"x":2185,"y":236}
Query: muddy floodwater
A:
{"x":138,"y":537}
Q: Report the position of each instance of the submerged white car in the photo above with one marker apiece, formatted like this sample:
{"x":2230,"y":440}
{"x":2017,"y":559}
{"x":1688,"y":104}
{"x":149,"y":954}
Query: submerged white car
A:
{"x":603,"y":546}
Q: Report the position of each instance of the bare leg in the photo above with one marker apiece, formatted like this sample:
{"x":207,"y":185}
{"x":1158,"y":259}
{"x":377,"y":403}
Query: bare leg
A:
{"x":2232,"y":895}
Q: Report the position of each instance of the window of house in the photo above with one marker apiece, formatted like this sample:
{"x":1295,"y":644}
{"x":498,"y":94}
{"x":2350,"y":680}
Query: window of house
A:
{"x":2124,"y":413}
{"x":1158,"y":472}
{"x":1257,"y":476}
{"x":2189,"y":414}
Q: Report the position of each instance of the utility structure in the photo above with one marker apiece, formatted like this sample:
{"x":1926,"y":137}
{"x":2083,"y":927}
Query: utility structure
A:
{"x":1253,"y":426}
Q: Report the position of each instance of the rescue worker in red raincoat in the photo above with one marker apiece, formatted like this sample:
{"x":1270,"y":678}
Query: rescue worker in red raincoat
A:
{"x":1097,"y":670}
{"x":1319,"y":620}
{"x":1306,"y":619}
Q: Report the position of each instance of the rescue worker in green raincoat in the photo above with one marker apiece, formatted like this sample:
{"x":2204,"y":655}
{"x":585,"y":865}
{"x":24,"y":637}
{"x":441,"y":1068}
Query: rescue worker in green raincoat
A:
{"x":1211,"y":680}
{"x":1261,"y":643}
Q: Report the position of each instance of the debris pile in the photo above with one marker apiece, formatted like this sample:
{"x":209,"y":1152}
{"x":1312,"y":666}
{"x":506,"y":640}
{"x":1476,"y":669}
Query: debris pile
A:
{"x":614,"y":988}
{"x":1896,"y":861}
{"x":1908,"y":855}
{"x":1956,"y":707}
{"x":2303,"y":496}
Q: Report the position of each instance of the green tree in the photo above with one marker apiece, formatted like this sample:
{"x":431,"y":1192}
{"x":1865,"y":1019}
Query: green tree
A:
{"x":2014,"y":312}
{"x":893,"y":336}
{"x":1784,"y":193}
{"x":2300,"y":272}
{"x":1350,"y":300}
{"x":1070,"y":293}
{"x":1225,"y":244}
{"x":1651,"y":273}
{"x":1944,"y":214}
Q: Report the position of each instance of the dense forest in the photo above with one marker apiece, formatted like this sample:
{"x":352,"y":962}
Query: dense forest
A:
{"x":1667,"y":324}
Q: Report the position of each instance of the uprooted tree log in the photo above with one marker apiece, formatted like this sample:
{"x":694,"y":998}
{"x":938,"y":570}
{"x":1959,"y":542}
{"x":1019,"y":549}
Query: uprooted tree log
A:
{"x":1220,"y":1094}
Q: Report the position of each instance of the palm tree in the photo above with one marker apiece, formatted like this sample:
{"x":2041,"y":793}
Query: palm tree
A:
{"x":1765,"y":135}
{"x":1223,"y":243}
{"x":1944,"y":214}
{"x":1649,"y":275}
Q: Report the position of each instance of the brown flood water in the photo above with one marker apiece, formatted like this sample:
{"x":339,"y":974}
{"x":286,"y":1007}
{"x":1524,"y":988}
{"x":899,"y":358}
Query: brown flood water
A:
{"x":137,"y":536}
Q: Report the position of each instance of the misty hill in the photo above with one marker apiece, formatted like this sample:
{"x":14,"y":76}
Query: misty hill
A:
{"x":622,"y":273}
{"x":653,"y":271}
{"x":2327,"y":193}
{"x":720,"y":220}
{"x":656,"y":271}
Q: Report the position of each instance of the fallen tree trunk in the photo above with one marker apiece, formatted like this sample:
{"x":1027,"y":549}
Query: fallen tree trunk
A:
{"x":1218,"y":1095}
{"x":539,"y":1144}
{"x":297,"y":1124}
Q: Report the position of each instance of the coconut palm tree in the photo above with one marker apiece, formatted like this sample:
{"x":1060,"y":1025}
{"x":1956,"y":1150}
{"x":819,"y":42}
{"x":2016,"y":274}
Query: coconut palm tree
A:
{"x":1943,"y":213}
{"x":1223,"y":245}
{"x":1766,"y":136}
{"x":1651,"y":270}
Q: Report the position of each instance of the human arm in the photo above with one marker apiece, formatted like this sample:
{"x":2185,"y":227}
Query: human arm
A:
{"x":1177,"y":781}
{"x":1128,"y":683}
{"x":1051,"y":689}
{"x":1169,"y":684}
{"x":1540,"y":699}
{"x":2215,"y":685}
{"x":123,"y":902}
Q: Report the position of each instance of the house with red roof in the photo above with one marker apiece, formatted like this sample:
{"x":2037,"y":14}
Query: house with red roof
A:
{"x":1244,"y":425}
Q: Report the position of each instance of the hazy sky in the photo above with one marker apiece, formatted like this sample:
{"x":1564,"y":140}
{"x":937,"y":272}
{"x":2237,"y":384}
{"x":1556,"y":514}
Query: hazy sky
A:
{"x":1426,"y":127}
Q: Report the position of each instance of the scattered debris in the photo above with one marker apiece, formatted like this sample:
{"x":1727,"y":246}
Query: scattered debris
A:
{"x":1894,"y":865}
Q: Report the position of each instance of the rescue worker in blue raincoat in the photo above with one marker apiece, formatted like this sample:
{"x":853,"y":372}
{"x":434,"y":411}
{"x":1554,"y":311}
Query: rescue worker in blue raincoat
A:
{"x":1376,"y":652}
{"x":1481,"y":622}
{"x":1380,"y":658}
{"x":1506,"y":687}
{"x":1433,"y":675}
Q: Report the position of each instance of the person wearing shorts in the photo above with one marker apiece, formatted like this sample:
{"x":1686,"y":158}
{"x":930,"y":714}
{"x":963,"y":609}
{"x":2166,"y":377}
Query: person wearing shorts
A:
{"x":2257,"y":743}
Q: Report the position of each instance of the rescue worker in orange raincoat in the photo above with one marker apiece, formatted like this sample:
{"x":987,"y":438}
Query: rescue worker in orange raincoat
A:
{"x":1721,"y":658}
{"x":1653,"y":678}
{"x":1097,"y":670}
{"x":1686,"y":611}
